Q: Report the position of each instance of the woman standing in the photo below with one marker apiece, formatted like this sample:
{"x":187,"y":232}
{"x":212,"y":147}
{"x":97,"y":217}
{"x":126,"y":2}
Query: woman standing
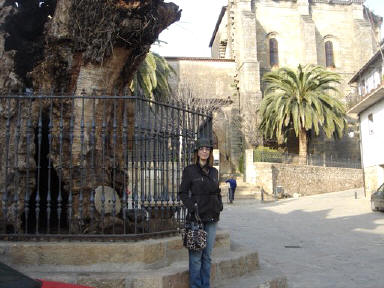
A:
{"x":200,"y":186}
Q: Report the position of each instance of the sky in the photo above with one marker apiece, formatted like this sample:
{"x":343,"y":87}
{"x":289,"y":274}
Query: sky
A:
{"x":191,"y":35}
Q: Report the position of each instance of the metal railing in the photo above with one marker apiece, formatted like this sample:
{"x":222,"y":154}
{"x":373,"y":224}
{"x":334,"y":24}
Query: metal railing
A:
{"x":352,"y":99}
{"x":310,"y":159}
{"x":93,"y":166}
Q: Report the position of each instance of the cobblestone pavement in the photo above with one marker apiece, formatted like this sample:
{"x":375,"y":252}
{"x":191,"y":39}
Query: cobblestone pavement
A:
{"x":331,"y":240}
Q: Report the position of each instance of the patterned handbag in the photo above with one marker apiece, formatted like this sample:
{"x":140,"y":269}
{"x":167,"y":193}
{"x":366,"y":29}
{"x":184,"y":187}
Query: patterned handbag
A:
{"x":194,"y":237}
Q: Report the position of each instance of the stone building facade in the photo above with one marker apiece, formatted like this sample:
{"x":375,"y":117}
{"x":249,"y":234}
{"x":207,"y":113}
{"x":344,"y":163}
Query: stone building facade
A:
{"x":211,"y":81}
{"x":260,"y":34}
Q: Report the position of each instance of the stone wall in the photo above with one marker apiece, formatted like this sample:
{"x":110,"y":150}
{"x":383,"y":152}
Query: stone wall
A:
{"x":207,"y":78}
{"x":302,"y":179}
{"x":218,"y":44}
{"x":302,"y":33}
{"x":308,"y":180}
{"x":242,"y":35}
{"x":301,"y":28}
{"x":213,"y":79}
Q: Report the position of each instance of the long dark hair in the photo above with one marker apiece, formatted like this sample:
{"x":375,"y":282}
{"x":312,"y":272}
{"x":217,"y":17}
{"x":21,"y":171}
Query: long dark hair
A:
{"x":209,"y":160}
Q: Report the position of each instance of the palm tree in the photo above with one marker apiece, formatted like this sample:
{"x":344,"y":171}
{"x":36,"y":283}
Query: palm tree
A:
{"x":301,"y":100}
{"x":151,"y":79}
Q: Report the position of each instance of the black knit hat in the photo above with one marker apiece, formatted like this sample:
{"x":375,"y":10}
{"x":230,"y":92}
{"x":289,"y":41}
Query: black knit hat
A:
{"x":203,"y":142}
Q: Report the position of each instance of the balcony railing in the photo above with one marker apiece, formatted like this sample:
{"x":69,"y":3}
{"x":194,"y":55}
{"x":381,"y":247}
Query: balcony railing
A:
{"x":354,"y":97}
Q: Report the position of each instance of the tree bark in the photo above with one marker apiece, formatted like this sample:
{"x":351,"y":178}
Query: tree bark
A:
{"x":89,"y":47}
{"x":302,"y":146}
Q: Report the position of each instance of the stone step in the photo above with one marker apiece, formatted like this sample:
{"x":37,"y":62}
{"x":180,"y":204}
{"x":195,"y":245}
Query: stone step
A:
{"x":247,"y":194}
{"x":100,"y":256}
{"x":249,"y":199}
{"x":246,"y":191}
{"x":251,"y":189}
{"x":266,"y":276}
{"x":228,"y":266}
{"x":253,"y":196}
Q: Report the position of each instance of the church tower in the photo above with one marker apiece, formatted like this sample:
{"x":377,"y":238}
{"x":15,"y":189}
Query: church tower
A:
{"x":340,"y":35}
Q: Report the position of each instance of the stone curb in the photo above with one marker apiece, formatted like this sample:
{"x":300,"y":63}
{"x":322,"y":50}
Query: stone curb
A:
{"x":99,"y":256}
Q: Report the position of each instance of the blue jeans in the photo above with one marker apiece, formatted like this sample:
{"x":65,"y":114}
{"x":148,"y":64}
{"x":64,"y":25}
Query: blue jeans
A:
{"x":200,"y":262}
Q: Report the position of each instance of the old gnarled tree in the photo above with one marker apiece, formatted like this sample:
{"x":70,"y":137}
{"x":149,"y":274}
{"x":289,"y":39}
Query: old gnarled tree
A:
{"x":69,"y":47}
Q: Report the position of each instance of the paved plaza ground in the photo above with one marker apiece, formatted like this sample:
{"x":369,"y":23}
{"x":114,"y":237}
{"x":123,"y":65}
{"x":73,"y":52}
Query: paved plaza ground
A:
{"x":330,"y":240}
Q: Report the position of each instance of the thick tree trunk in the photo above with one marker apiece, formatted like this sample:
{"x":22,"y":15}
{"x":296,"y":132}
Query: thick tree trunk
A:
{"x":16,"y":156}
{"x":302,"y":146}
{"x":89,"y":47}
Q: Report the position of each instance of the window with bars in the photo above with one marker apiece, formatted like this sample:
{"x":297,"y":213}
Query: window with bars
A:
{"x":273,"y":52}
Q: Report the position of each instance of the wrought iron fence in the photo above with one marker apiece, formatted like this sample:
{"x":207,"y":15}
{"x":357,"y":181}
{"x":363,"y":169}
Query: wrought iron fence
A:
{"x":93,"y":166}
{"x":310,"y":159}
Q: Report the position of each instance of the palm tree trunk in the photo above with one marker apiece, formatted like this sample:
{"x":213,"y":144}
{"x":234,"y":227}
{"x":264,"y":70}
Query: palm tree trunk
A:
{"x":302,"y":146}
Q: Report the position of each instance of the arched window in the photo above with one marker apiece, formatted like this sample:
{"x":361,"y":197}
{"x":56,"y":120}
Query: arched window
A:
{"x":273,"y":52}
{"x":329,"y":59}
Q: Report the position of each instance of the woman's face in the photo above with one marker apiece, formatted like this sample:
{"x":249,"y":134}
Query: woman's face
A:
{"x":203,"y":153}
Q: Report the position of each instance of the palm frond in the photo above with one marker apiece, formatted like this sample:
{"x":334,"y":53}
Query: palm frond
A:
{"x":151,"y":79}
{"x":303,"y":99}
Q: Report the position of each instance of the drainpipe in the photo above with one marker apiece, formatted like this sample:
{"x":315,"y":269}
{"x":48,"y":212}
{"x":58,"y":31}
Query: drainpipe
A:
{"x":362,"y":156}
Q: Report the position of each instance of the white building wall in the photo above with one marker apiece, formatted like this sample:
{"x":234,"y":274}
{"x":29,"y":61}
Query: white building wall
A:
{"x":372,"y":135}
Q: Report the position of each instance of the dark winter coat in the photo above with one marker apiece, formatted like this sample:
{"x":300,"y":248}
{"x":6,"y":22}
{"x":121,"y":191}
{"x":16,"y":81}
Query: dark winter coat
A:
{"x":203,"y":189}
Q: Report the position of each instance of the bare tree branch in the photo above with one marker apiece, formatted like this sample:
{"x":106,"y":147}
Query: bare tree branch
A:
{"x":191,"y":95}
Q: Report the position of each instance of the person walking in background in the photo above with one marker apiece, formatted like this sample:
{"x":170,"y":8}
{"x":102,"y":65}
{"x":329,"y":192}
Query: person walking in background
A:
{"x":200,"y":186}
{"x":232,"y":188}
